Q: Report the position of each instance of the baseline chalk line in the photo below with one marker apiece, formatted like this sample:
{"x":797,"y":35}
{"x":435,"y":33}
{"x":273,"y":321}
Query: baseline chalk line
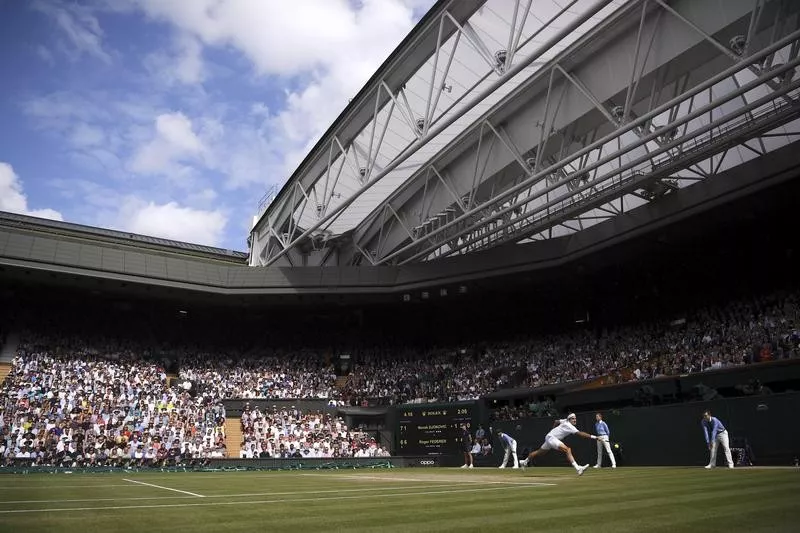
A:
{"x":163,"y":488}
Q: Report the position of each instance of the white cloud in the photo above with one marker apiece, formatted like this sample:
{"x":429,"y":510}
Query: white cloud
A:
{"x":279,"y":37}
{"x":79,"y":27}
{"x":185,"y":65}
{"x":204,"y":138}
{"x":85,"y":135}
{"x":196,"y":219}
{"x":189,"y":68}
{"x":331,"y":46}
{"x":61,"y":109}
{"x":202,"y":197}
{"x":259,"y":109}
{"x":98,"y":130}
{"x":325,"y":50}
{"x":173,"y":221}
{"x":174,"y":141}
{"x":14,"y":200}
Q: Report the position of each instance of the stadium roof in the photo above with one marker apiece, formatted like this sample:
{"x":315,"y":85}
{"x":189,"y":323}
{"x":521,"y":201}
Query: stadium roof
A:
{"x":68,"y":229}
{"x":467,"y":65}
{"x":495,"y":122}
{"x":473,"y":70}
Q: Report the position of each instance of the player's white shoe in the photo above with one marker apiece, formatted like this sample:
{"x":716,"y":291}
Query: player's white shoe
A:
{"x":470,"y":466}
{"x":708,"y":467}
{"x":613,"y":466}
{"x":463,"y":466}
{"x":501,"y":466}
{"x":516,"y":466}
{"x":582,"y":469}
{"x":596,"y":466}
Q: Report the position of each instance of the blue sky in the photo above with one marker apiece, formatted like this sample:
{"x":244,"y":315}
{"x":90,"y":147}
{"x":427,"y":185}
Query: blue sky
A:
{"x":173,"y":117}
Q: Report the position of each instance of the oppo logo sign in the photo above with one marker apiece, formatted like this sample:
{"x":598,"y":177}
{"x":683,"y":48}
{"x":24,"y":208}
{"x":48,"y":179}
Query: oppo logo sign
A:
{"x":427,"y":462}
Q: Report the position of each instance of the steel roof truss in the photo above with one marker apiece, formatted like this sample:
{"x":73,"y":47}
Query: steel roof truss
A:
{"x":444,"y":121}
{"x":635,"y":177}
{"x":759,"y":81}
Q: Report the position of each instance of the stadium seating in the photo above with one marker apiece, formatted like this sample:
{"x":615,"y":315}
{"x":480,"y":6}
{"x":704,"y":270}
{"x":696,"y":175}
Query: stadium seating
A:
{"x":71,"y":397}
{"x":68,"y":403}
{"x":291,"y":433}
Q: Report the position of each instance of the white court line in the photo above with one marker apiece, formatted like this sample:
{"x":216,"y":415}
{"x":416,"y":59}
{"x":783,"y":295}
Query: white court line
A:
{"x":371,"y":489}
{"x":164,"y":488}
{"x":251,"y":502}
{"x":454,"y":481}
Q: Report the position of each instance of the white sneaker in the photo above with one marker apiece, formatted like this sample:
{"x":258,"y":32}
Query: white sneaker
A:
{"x":470,"y":466}
{"x":501,"y":466}
{"x":730,"y":466}
{"x":581,"y":469}
{"x":613,"y":466}
{"x":708,"y":467}
{"x":516,"y":466}
{"x":596,"y":466}
{"x":523,"y":463}
{"x":463,"y":466}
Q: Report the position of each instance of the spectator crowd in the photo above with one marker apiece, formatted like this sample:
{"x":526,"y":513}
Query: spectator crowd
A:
{"x":69,"y":404}
{"x":88,"y":400}
{"x":294,"y":376}
{"x":763,"y":329}
{"x":289,"y":433}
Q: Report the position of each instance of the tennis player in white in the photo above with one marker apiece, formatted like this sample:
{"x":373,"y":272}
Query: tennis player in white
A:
{"x":561,"y":429}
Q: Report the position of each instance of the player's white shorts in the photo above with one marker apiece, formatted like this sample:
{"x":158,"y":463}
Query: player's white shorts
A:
{"x":551,"y":443}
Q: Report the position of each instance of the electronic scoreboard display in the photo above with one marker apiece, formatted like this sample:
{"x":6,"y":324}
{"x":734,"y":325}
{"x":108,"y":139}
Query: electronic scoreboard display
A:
{"x":432,"y":430}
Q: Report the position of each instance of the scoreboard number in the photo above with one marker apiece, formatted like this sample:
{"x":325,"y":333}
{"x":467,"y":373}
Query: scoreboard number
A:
{"x":432,"y":431}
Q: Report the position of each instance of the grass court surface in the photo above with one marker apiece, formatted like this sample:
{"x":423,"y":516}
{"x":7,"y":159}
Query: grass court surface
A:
{"x":406,"y":500}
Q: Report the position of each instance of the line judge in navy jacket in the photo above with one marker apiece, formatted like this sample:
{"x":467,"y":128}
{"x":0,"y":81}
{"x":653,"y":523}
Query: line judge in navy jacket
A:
{"x":716,"y":434}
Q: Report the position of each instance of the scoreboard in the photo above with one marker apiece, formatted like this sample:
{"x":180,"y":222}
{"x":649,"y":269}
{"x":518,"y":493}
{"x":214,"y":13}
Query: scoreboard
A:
{"x":431,"y":429}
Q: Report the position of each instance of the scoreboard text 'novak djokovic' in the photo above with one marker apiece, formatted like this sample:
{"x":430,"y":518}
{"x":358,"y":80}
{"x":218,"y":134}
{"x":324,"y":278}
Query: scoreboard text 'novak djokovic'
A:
{"x":432,"y":430}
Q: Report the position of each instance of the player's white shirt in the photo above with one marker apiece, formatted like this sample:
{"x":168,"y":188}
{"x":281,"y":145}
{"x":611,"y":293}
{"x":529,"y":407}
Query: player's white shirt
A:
{"x":563,"y":430}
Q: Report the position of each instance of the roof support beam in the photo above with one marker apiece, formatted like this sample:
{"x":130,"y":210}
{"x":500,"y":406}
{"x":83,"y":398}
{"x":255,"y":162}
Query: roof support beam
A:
{"x":710,"y":70}
{"x":636,"y":179}
{"x":274,"y":217}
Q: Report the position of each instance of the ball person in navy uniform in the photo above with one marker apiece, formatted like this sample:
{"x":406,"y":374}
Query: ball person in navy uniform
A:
{"x":466,"y":446}
{"x":510,"y":446}
{"x":603,"y":441}
{"x":716,"y":434}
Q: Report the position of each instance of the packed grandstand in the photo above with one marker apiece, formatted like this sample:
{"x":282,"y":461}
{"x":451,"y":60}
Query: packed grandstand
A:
{"x":540,"y":233}
{"x":101,"y":375}
{"x":74,"y":397}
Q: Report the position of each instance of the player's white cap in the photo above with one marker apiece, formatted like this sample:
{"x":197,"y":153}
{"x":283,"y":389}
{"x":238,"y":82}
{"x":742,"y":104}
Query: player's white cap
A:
{"x":571,"y":415}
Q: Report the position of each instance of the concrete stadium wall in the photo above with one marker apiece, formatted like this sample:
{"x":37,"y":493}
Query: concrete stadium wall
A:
{"x":769,"y":373}
{"x":575,"y":395}
{"x":671,"y":435}
{"x":26,"y":249}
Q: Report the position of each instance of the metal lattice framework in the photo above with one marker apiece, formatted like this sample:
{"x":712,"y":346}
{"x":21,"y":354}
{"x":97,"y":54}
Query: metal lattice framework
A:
{"x":567,"y":121}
